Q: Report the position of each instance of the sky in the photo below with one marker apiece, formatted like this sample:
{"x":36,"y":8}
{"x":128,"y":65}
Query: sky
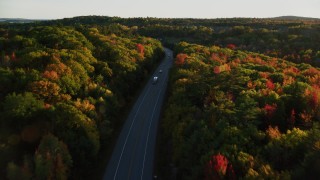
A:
{"x":57,"y":9}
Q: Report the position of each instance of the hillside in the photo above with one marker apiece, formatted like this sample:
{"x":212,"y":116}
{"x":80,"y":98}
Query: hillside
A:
{"x":243,"y":98}
{"x":233,"y":114}
{"x":293,"y":40}
{"x":63,"y":94}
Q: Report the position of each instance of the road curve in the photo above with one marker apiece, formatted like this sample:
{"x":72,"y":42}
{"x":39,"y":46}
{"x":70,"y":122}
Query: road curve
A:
{"x":133,"y":155}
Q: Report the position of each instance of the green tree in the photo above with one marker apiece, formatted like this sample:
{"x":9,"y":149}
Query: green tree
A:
{"x":78,"y":131}
{"x":18,"y":109}
{"x":52,"y":159}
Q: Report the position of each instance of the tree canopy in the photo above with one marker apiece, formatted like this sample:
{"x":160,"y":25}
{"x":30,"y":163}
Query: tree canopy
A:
{"x":238,"y":114}
{"x":64,"y":88}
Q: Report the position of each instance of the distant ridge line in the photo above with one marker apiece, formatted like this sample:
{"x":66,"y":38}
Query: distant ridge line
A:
{"x":295,"y":18}
{"x":20,"y":20}
{"x":284,"y":18}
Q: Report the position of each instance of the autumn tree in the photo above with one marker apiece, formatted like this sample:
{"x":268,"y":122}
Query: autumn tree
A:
{"x":46,"y":89}
{"x":78,"y":131}
{"x":218,"y":168}
{"x":52,"y":159}
{"x":231,"y":46}
{"x":180,"y":59}
{"x":140,"y":49}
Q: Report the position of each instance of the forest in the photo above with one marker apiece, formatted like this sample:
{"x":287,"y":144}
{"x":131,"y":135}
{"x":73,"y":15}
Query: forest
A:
{"x":243,"y":99}
{"x":293,"y":40}
{"x":232,"y":114}
{"x":63,"y":93}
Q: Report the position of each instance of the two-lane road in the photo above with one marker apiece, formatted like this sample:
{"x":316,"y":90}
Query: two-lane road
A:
{"x":133,"y":155}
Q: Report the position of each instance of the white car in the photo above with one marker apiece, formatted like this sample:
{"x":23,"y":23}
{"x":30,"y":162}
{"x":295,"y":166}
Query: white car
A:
{"x":160,"y":71}
{"x":155,"y":80}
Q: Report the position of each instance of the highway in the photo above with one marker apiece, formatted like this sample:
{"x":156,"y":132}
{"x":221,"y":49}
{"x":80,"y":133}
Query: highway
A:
{"x":133,"y":155}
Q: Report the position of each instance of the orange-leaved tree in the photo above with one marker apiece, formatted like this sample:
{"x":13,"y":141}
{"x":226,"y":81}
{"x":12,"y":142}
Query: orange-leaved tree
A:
{"x":140,"y":49}
{"x":180,"y":59}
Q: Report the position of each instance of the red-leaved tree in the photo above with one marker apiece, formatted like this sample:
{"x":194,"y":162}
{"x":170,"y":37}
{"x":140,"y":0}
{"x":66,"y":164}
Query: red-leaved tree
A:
{"x":270,"y":110}
{"x":215,"y":57}
{"x":314,"y":99}
{"x":292,"y":118}
{"x":216,"y":70}
{"x":13,"y":56}
{"x":140,"y":49}
{"x":180,"y":59}
{"x":231,"y":46}
{"x":218,"y":168}
{"x":270,"y":85}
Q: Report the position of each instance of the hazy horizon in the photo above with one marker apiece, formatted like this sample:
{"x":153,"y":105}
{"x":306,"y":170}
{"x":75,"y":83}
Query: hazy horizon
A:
{"x":46,"y":9}
{"x":22,"y":18}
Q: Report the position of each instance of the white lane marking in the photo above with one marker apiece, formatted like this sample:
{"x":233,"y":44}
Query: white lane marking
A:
{"x":146,"y":145}
{"x":115,"y":175}
{"x":131,"y":128}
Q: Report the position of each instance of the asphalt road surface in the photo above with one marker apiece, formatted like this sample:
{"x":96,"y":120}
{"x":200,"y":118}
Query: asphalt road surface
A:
{"x":133,"y":155}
